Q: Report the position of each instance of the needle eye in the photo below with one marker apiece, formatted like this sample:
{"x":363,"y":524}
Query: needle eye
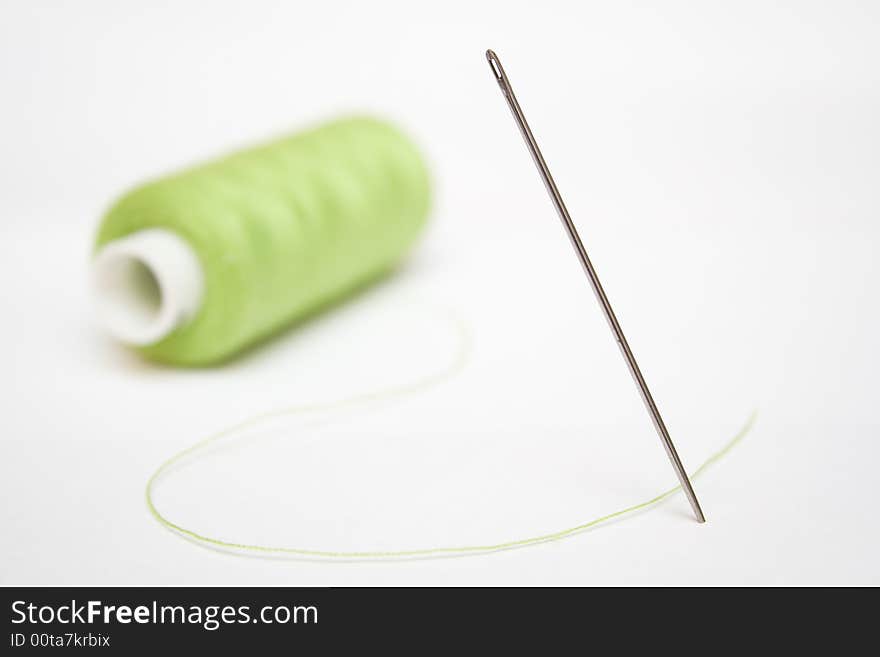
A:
{"x":497,"y":69}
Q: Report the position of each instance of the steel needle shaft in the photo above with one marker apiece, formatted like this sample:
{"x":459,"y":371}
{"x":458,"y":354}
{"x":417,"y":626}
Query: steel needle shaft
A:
{"x":556,"y":197}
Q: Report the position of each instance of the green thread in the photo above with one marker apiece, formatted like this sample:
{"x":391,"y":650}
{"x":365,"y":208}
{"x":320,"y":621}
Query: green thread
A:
{"x":282,"y":229}
{"x":456,"y":365}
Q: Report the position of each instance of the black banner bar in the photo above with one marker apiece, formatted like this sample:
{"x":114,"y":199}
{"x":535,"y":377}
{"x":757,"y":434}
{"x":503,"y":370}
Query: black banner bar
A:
{"x":128,"y":620}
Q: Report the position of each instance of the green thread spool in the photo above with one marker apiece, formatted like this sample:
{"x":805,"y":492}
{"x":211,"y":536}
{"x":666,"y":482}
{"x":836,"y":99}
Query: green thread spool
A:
{"x":195,"y":267}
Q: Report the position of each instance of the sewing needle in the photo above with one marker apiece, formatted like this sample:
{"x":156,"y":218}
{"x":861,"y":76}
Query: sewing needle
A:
{"x":504,"y":83}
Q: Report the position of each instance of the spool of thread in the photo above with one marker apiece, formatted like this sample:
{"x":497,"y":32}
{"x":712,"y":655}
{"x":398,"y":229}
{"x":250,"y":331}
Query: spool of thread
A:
{"x":195,"y":267}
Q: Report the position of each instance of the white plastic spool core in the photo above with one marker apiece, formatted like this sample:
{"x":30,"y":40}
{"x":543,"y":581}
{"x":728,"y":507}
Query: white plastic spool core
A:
{"x":146,"y":285}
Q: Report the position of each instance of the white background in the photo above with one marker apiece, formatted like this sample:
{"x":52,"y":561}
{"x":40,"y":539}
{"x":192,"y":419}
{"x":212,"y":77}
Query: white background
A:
{"x":721,"y":161}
